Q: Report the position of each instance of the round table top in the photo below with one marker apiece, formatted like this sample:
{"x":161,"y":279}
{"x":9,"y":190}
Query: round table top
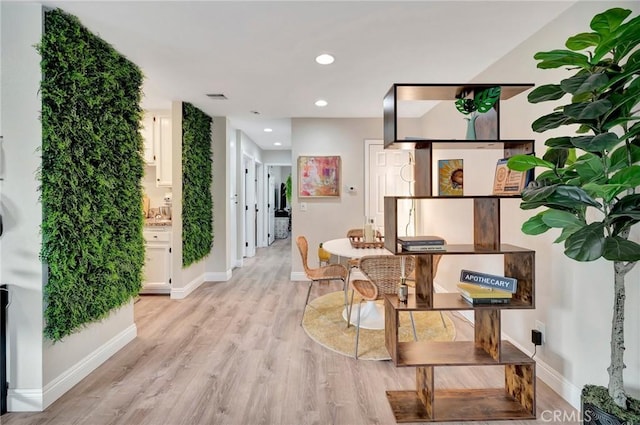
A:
{"x":342,"y":248}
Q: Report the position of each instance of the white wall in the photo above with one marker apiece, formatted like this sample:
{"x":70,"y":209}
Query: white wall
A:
{"x":39,"y":371}
{"x":329,"y":218}
{"x":281,"y":157}
{"x":573,"y":300}
{"x":20,"y":266}
{"x":218,"y":264}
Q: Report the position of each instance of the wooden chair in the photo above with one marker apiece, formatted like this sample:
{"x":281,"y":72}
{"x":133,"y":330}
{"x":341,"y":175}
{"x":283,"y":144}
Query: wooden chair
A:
{"x":383,"y":274}
{"x":320,"y":274}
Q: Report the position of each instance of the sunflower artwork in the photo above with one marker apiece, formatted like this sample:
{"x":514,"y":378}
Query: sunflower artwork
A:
{"x":450,"y":177}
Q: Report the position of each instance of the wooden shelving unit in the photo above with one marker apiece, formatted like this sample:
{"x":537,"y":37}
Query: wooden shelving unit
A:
{"x":427,"y":403}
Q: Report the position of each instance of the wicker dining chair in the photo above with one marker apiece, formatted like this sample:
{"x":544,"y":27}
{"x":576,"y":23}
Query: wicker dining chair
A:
{"x":383,"y":274}
{"x":321,"y":274}
{"x":358,"y":235}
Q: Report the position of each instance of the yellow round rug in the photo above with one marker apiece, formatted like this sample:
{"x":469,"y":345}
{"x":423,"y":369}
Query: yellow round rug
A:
{"x":324,"y":324}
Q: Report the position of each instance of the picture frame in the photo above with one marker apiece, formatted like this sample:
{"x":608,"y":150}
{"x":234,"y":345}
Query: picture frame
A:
{"x":318,"y":176}
{"x":508,"y":182}
{"x":450,"y":177}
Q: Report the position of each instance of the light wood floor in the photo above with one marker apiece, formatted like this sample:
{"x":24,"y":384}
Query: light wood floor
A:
{"x":234,"y":353}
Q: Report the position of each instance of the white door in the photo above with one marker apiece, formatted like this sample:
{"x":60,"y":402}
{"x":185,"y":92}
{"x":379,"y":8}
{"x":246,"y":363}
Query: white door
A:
{"x":388,"y":172}
{"x":271,"y":206}
{"x":249,"y":207}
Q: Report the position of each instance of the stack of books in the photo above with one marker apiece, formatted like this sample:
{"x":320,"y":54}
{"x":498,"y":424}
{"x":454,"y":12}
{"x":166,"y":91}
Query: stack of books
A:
{"x":477,"y":295}
{"x":422,"y":243}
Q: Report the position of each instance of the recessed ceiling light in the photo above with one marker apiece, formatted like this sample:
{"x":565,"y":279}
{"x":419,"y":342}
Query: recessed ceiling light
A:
{"x":277,"y":144}
{"x":321,"y":103}
{"x":268,"y":130}
{"x":325,"y":59}
{"x":255,"y":112}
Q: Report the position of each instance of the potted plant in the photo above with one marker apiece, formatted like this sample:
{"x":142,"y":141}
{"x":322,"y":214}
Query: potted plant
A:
{"x":480,"y":105}
{"x":590,"y":188}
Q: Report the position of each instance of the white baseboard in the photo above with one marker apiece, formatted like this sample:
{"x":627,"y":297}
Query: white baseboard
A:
{"x":218,"y":276}
{"x":180,"y":293}
{"x":25,"y":400}
{"x":19,"y":400}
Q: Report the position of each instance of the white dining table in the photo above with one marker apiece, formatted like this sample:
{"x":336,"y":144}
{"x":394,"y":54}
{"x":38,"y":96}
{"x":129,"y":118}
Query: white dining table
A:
{"x":372,"y":314}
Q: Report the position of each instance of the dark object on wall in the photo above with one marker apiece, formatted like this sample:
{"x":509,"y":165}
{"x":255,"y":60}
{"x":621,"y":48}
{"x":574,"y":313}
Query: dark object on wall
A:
{"x":90,"y":176}
{"x":197,"y":205}
{"x":4,"y":302}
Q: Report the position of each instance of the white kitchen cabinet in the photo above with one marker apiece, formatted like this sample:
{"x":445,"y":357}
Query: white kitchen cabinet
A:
{"x":163,"y":147}
{"x":157,"y":264}
{"x":147,"y":132}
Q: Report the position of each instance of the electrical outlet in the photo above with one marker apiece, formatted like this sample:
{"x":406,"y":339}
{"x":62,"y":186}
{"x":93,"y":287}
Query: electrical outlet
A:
{"x":536,"y":337}
{"x":543,"y":330}
{"x":303,"y":206}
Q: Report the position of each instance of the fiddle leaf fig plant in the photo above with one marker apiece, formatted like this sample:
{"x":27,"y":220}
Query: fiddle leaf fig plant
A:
{"x":589,"y":188}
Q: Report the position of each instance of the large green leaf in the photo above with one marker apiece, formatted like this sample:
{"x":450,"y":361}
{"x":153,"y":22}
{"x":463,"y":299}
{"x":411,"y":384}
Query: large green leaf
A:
{"x":576,"y":195}
{"x":559,"y":142}
{"x":628,"y":203}
{"x":545,"y":93}
{"x":619,"y":249}
{"x":590,"y":169}
{"x":561,"y":219}
{"x":486,"y":98}
{"x":586,"y":244}
{"x":587,"y":110}
{"x":594,"y":83}
{"x":624,"y":156}
{"x":527,"y":162}
{"x":566,"y":232}
{"x":604,"y":191}
{"x":600,"y":143}
{"x":550,"y":121}
{"x":534,"y":226}
{"x":558,"y":58}
{"x":608,"y":21}
{"x":629,"y":177}
{"x":573,"y":83}
{"x":556,"y":156}
{"x":583,"y":40}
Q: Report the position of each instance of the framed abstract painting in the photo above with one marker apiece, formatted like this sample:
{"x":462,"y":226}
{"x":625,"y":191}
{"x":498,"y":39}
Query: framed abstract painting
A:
{"x":318,"y":176}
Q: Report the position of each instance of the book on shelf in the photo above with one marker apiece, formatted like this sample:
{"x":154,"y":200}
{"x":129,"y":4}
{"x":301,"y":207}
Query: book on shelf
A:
{"x":485,"y":301}
{"x":478,"y":292}
{"x":420,"y":240}
{"x":486,"y":280}
{"x":423,"y":248}
{"x":507,"y":181}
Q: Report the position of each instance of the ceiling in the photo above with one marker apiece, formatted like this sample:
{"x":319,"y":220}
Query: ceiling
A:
{"x":260,"y":54}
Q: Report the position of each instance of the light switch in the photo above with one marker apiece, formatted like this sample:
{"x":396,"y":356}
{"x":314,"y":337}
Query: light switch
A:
{"x":303,"y":206}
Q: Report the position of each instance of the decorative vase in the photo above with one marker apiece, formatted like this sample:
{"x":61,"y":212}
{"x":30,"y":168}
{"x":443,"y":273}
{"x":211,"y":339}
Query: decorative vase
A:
{"x":471,"y":127}
{"x":486,"y":125}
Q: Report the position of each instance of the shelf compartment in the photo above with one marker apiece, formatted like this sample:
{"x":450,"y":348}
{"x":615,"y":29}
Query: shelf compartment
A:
{"x":453,"y":302}
{"x":455,"y":353}
{"x":458,"y":405}
{"x":465,"y":249}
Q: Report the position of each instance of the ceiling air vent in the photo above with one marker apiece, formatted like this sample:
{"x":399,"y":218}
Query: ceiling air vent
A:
{"x":217,"y":96}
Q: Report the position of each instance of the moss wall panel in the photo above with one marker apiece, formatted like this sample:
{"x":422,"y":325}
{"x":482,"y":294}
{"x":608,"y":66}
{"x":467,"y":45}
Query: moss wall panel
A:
{"x":197,"y":204}
{"x":90,"y":176}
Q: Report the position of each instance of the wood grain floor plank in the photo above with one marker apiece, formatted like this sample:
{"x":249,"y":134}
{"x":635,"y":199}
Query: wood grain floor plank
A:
{"x":234,"y":353}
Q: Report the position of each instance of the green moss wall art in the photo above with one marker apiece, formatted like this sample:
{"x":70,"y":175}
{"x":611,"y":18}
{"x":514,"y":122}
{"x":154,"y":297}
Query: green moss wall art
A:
{"x":90,"y":176}
{"x":197,"y":205}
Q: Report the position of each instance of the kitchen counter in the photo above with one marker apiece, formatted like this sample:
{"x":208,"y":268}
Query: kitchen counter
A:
{"x":157,"y":222}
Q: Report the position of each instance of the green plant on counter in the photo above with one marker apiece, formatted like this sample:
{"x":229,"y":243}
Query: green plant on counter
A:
{"x":598,"y":168}
{"x":482,"y":101}
{"x":90,"y":176}
{"x":197,"y":205}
